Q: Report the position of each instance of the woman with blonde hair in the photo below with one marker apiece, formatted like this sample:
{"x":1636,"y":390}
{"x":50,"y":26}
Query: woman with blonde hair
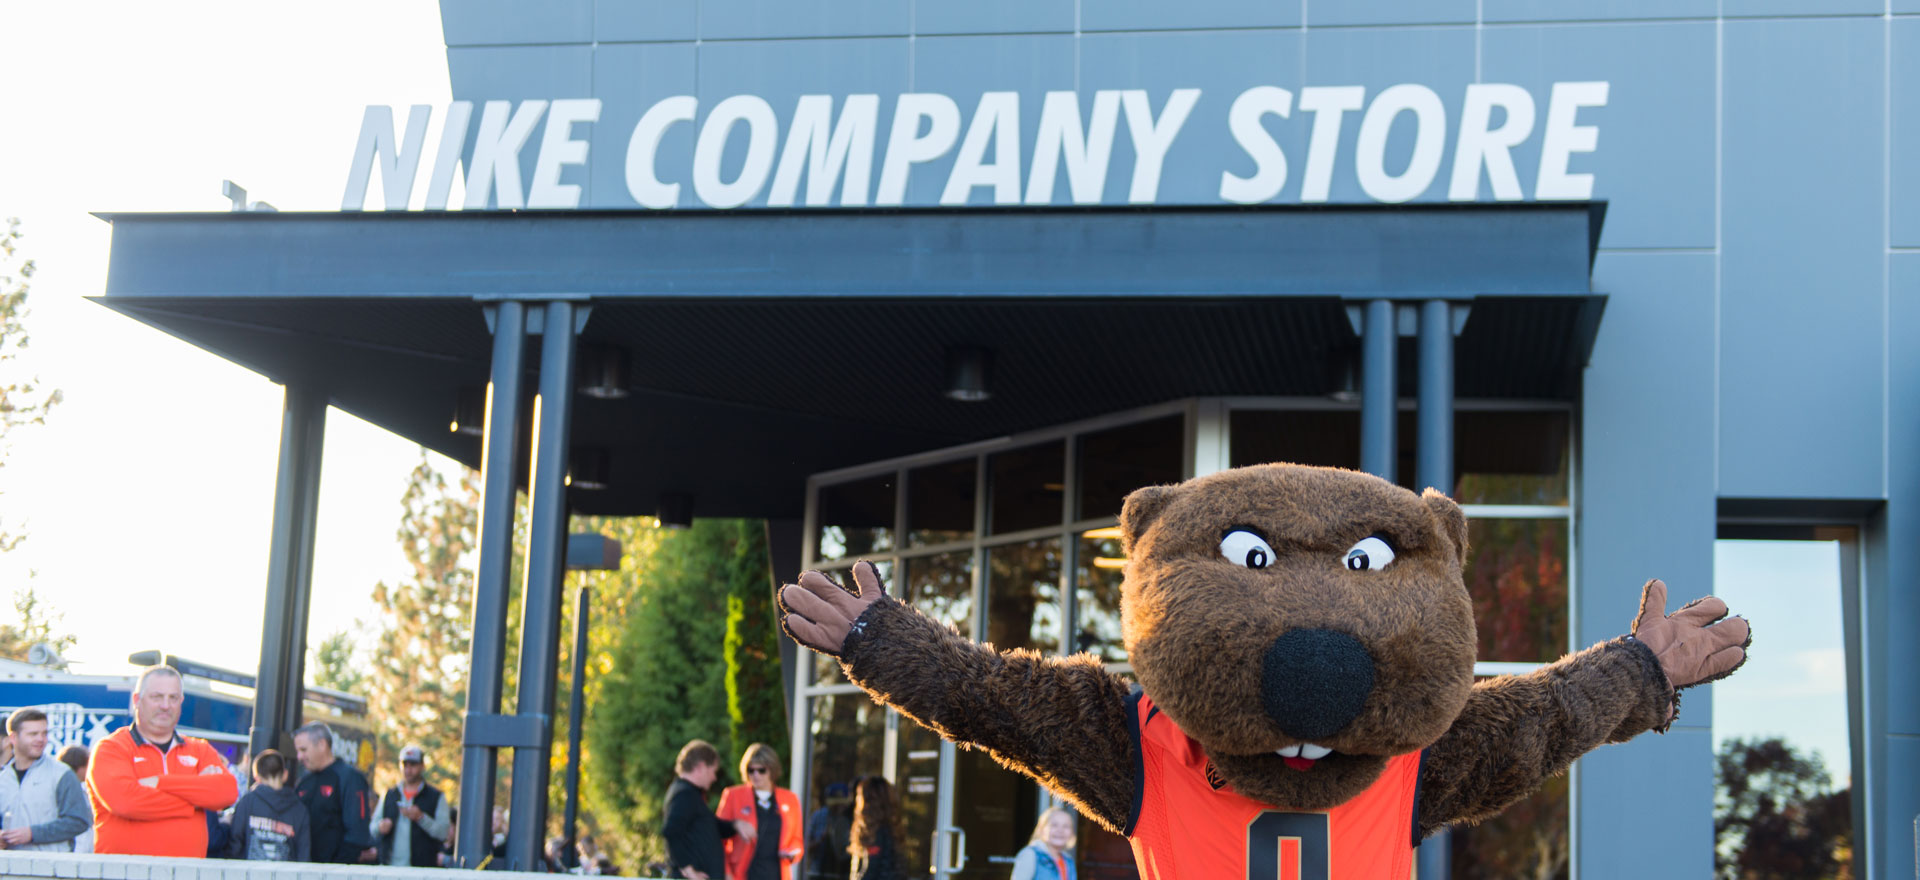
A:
{"x":1049,"y":853}
{"x":775,"y":811}
{"x":876,"y":831}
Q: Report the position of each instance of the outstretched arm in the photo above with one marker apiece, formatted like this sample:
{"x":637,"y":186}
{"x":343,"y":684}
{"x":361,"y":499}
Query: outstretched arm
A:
{"x":1062,"y":721}
{"x":1518,"y":730}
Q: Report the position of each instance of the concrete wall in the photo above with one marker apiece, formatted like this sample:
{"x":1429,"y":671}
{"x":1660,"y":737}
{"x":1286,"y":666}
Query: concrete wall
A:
{"x":67,"y":866}
{"x":1761,"y":250}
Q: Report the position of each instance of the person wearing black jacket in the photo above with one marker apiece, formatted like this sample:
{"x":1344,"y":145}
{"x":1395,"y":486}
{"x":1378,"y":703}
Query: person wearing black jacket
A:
{"x":692,"y":831}
{"x":339,"y":802}
{"x":413,"y":819}
{"x":269,"y":823}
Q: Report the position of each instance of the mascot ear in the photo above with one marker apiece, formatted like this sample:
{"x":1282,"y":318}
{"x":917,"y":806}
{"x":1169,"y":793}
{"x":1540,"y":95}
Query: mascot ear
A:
{"x":1142,"y":508}
{"x":1451,"y":520}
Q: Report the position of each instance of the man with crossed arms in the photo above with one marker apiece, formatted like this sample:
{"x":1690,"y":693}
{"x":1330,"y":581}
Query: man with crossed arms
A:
{"x":152,"y":787}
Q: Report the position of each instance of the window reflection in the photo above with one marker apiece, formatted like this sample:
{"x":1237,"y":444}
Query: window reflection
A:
{"x":1119,"y":460}
{"x":1100,"y":569}
{"x":1511,"y":457}
{"x":1023,"y":596}
{"x":1517,"y":576}
{"x":917,"y":786}
{"x":856,"y":519}
{"x":1526,"y":840}
{"x":941,"y":587}
{"x":996,"y":807}
{"x":1784,"y":800}
{"x":940,"y":503}
{"x":1027,"y":486}
{"x":849,"y":739}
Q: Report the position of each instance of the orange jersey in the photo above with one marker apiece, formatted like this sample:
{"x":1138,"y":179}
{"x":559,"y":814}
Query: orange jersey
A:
{"x":1183,"y":828}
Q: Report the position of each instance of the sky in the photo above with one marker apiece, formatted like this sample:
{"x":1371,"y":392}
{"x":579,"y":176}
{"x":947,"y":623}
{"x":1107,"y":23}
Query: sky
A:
{"x":148,"y":495}
{"x":1794,"y":684}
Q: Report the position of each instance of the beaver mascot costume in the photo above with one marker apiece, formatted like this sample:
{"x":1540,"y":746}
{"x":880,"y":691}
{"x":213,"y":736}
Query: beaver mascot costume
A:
{"x":1304,"y":644}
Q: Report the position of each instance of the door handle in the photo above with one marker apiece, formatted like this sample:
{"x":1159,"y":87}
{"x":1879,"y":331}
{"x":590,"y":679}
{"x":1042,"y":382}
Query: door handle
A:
{"x":950,"y":859}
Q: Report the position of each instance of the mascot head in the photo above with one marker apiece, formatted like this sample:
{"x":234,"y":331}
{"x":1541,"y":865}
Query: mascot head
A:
{"x":1302,"y":624}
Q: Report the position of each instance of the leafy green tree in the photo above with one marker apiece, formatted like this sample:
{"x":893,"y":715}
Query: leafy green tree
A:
{"x":334,"y":663}
{"x":22,"y":401}
{"x":1776,"y":817}
{"x":37,"y":624}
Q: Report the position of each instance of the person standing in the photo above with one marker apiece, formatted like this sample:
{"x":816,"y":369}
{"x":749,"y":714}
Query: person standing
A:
{"x":1049,"y":852}
{"x":269,"y":823}
{"x":152,"y":788}
{"x":693,"y":833}
{"x":339,"y":802}
{"x":413,"y":820}
{"x":775,"y":814}
{"x":876,"y":831}
{"x":46,"y":806}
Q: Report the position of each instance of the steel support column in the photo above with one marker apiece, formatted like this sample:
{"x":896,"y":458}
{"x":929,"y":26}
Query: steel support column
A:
{"x":495,"y":566}
{"x":1434,"y":455}
{"x":280,"y":685}
{"x":1434,"y":467}
{"x":1379,"y":449}
{"x":576,"y":710}
{"x":546,"y":570}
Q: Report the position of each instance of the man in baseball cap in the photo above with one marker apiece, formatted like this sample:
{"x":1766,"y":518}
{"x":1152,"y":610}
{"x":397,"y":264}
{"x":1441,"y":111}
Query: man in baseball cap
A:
{"x":412,"y":822}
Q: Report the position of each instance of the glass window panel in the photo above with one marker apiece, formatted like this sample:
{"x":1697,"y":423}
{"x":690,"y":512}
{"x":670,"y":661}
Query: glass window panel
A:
{"x":940,"y":503}
{"x":997,"y":808}
{"x":1023,"y":596}
{"x":1528,"y":839}
{"x":1324,"y":437}
{"x":826,"y":670}
{"x":1119,"y":460}
{"x":1101,"y":567}
{"x":918,"y":787}
{"x":1517,"y":575}
{"x":1784,"y":799}
{"x":849,"y":740}
{"x":941,"y":587}
{"x":1027,"y":487}
{"x":856,"y":519}
{"x":1102,"y":854}
{"x":1510,"y":457}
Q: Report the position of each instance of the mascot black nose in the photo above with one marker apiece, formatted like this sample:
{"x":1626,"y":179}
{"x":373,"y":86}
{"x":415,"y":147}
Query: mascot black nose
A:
{"x":1313,"y":682}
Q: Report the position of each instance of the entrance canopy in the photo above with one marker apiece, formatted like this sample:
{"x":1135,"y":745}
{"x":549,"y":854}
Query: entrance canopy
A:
{"x":768,"y":345}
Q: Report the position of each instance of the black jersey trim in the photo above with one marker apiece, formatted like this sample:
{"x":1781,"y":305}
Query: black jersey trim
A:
{"x":1416,"y":797}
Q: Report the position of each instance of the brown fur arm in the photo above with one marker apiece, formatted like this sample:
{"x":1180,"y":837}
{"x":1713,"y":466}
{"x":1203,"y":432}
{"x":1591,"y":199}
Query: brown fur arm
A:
{"x":1518,"y":730}
{"x":1062,"y":721}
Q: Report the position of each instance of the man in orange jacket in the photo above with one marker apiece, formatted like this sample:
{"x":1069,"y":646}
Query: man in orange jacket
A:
{"x":152,"y":787}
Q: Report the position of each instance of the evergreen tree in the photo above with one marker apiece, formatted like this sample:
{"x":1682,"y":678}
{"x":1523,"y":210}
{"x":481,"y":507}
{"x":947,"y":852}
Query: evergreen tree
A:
{"x":666,"y":682}
{"x":416,"y":681}
{"x":754,"y":695}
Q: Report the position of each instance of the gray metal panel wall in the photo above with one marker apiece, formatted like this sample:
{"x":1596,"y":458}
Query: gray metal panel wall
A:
{"x":1760,"y":252}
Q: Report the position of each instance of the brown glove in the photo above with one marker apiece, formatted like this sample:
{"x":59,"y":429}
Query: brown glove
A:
{"x":1692,"y":648}
{"x":820,"y":614}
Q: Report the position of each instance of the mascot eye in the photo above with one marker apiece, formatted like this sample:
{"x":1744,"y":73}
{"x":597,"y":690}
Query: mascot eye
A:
{"x":1242,"y":547}
{"x":1371,"y":554}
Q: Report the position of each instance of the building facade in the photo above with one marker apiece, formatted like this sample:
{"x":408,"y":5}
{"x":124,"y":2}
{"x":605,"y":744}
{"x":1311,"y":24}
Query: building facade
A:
{"x":1755,"y":367}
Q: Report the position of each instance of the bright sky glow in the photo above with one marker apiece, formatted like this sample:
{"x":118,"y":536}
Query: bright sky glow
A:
{"x":149,"y":494}
{"x":1795,"y":682}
